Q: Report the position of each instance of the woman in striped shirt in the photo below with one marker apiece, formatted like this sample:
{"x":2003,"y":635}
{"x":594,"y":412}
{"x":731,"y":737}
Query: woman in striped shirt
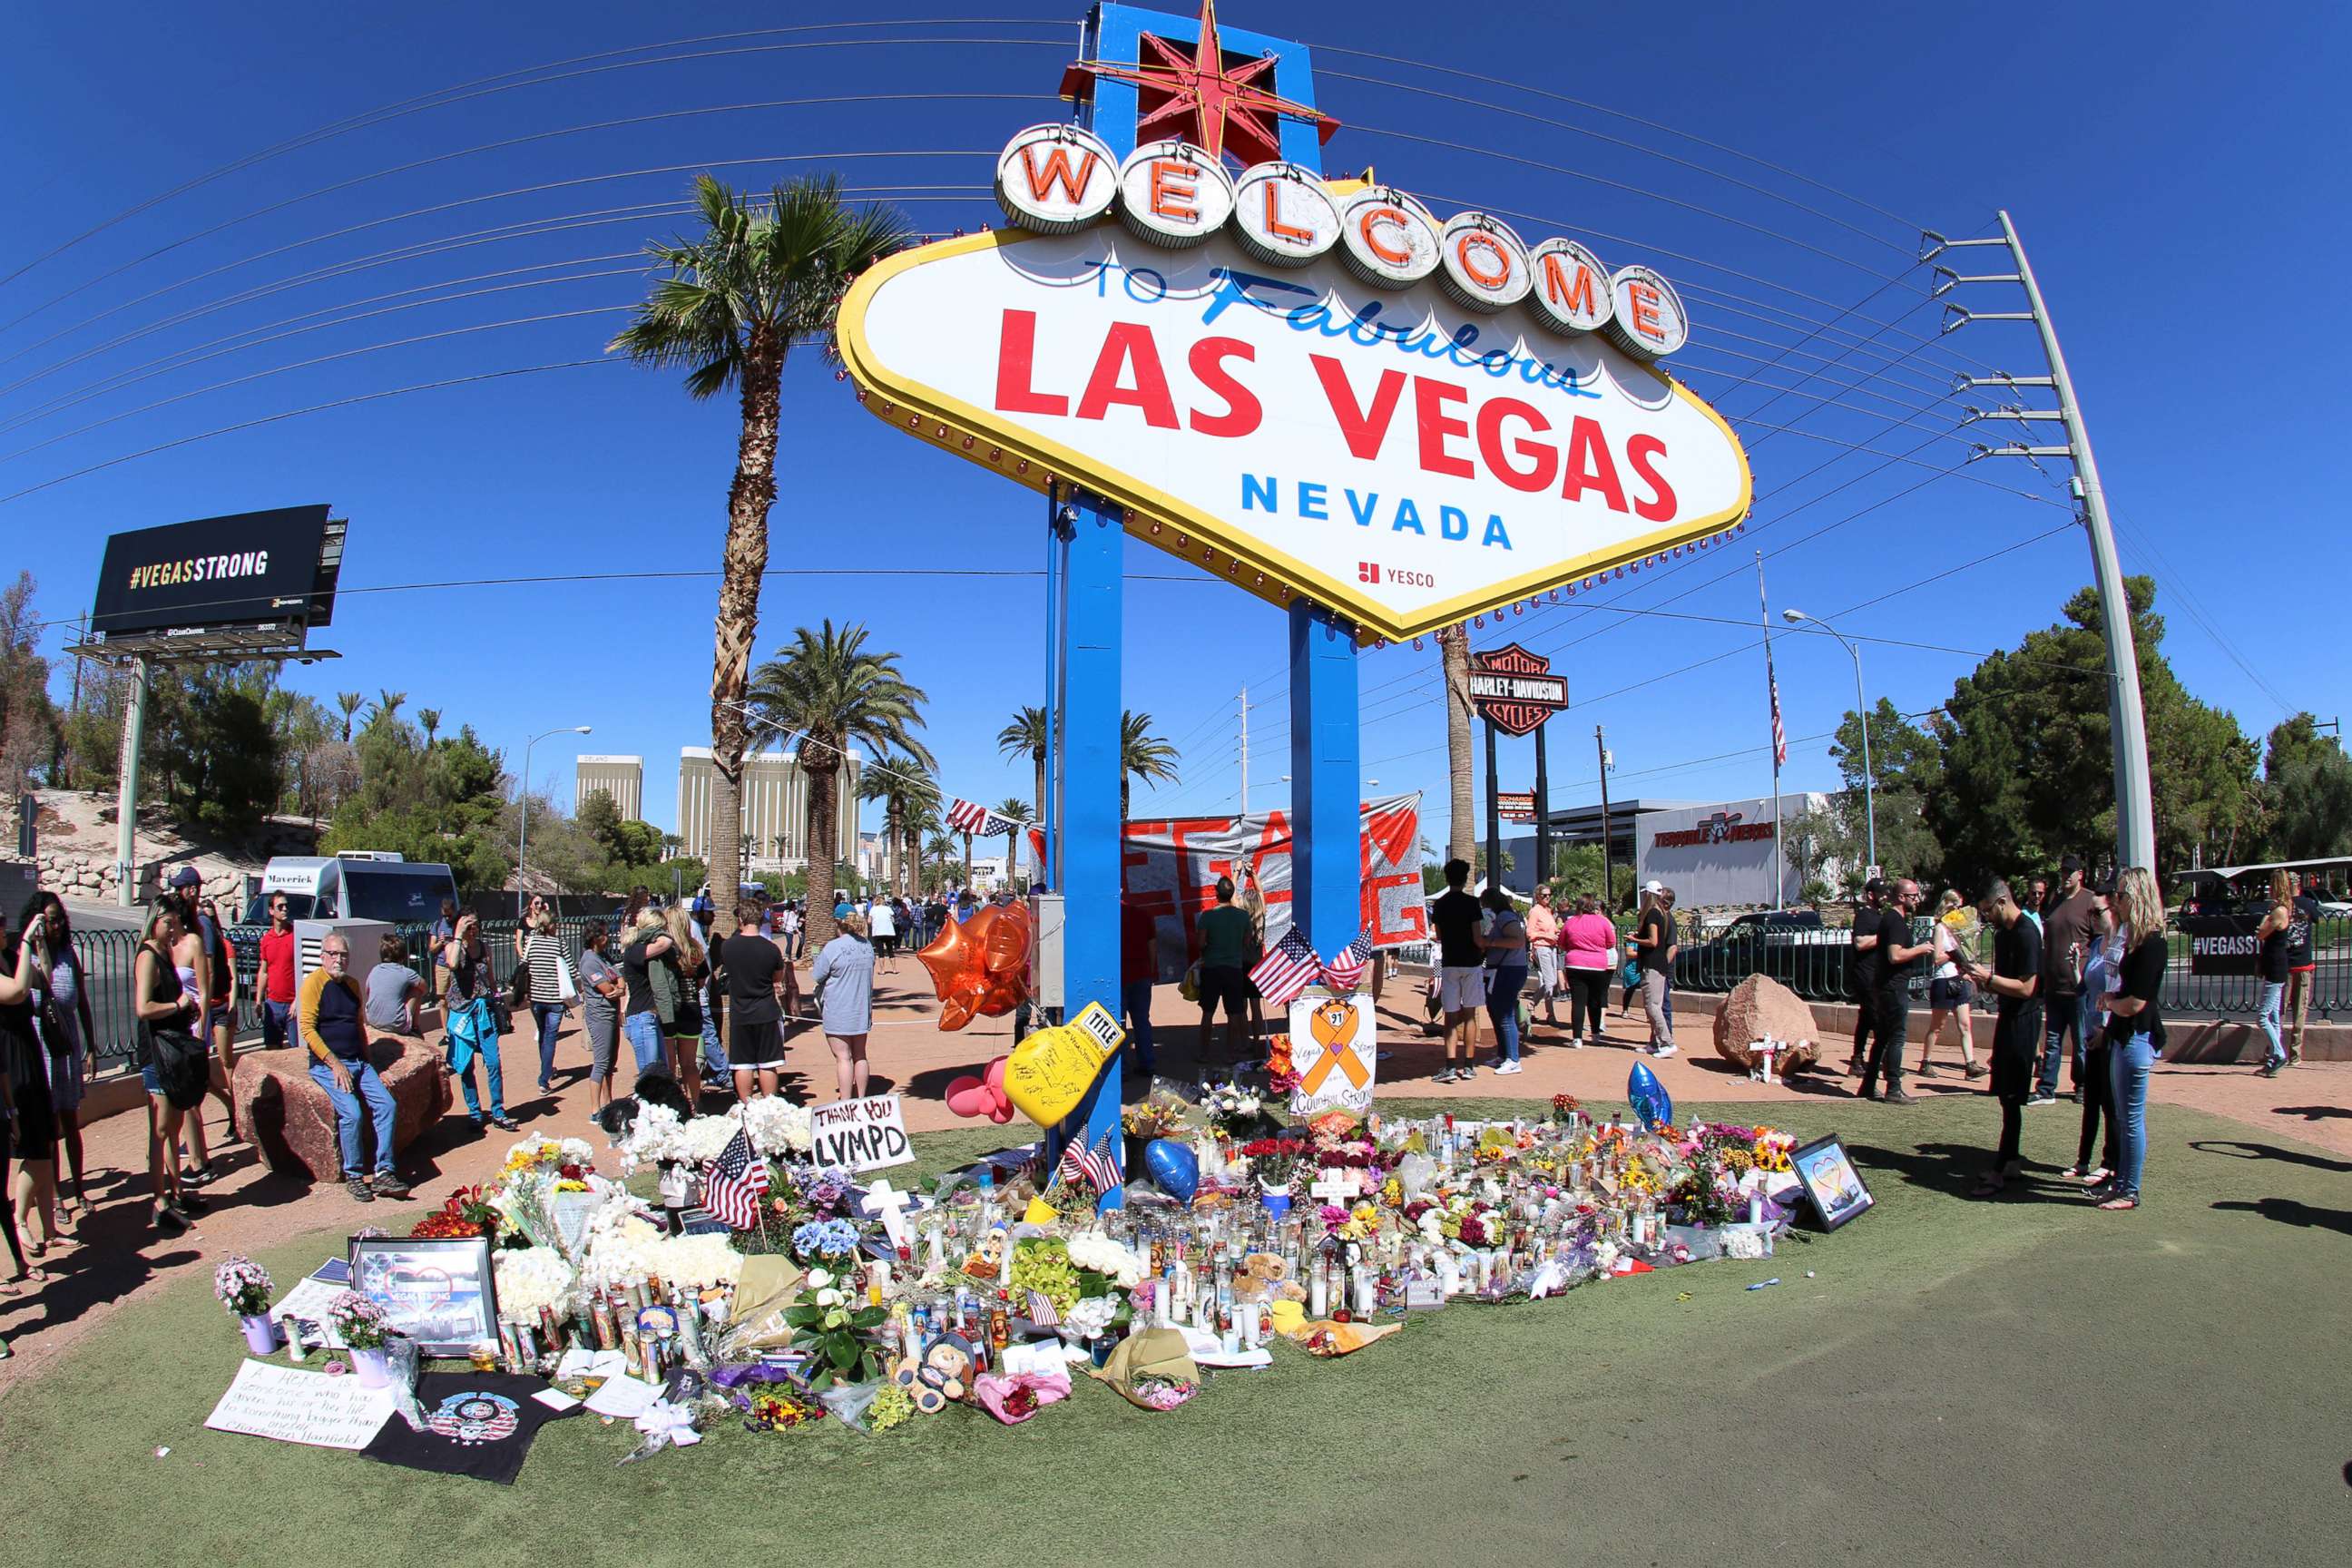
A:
{"x":541,"y":950}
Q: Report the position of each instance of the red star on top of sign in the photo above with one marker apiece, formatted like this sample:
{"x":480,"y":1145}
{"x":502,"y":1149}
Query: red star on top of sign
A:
{"x":1217,"y":106}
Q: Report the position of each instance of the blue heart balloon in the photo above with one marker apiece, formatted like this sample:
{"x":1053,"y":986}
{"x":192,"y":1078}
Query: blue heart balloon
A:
{"x":1175,"y":1168}
{"x":1652,"y":1104}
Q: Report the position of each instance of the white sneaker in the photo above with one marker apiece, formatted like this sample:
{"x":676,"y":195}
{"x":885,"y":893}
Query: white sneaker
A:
{"x":1507,"y":1069}
{"x":1663,"y":1051}
{"x":1574,"y":1044}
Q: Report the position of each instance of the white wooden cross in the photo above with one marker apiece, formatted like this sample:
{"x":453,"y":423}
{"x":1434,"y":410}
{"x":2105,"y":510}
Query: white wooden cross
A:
{"x":890,"y":1207}
{"x":1336,"y":1187}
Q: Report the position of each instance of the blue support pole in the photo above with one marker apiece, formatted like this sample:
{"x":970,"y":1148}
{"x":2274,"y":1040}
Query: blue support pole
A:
{"x":1089,"y":853}
{"x":1326,"y":864}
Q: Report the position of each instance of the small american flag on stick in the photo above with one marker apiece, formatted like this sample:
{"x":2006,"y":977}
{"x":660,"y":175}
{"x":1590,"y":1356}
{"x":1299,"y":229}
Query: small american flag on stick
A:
{"x":1347,"y":966}
{"x":1286,"y":969}
{"x":735,"y":1183}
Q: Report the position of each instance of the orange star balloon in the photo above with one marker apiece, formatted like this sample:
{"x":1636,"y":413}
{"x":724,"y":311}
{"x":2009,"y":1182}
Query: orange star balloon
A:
{"x":980,"y":968}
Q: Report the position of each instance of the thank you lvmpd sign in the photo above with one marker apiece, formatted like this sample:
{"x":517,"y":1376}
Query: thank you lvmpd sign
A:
{"x":859,"y":1135}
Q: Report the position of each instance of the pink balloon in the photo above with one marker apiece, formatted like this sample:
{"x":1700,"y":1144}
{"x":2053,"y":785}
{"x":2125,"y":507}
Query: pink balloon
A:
{"x":967,"y":1096}
{"x":1001,"y":1114}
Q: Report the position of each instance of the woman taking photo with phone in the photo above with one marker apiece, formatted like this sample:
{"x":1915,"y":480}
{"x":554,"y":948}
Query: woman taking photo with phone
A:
{"x":2133,"y":1022}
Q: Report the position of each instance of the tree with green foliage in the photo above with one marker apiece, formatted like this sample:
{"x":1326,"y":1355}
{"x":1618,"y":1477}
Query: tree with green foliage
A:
{"x":1025,"y":737}
{"x":1143,"y":755}
{"x":2307,"y":791}
{"x":832,"y":690}
{"x":447,"y":806}
{"x":736,"y":298}
{"x":30,"y":734}
{"x":2027,"y":769}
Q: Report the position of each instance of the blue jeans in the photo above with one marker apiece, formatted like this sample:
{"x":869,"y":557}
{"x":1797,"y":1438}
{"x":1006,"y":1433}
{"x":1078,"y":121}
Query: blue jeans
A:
{"x":2063,"y":1016}
{"x":644,"y":1036}
{"x":551,"y":1017}
{"x":2273,"y":1003}
{"x":714,"y":1058}
{"x":1135,"y":1001}
{"x":2128,"y":1065}
{"x":275,"y":1016}
{"x":365,"y":1085}
{"x":1503,"y":1006}
{"x":474,"y":1033}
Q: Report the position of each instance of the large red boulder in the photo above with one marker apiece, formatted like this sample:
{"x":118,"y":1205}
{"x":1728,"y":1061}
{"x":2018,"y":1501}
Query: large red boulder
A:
{"x":292,"y":1122}
{"x":1761,"y":1009}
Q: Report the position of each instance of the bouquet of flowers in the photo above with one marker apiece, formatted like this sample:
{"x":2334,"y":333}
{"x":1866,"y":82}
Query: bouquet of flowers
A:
{"x":1158,"y":1117}
{"x":357,"y":1321}
{"x":656,"y":1138}
{"x":466,"y":1211}
{"x":1096,"y":1253}
{"x":529,"y":1278}
{"x":1276,"y":1161}
{"x":242,"y":1285}
{"x":1235,"y":1112}
{"x":1566,"y":1111}
{"x":823,"y":1241}
{"x":1044,"y":1265}
{"x":836,"y":1335}
{"x":1281,"y":1073}
{"x":777,"y":1127}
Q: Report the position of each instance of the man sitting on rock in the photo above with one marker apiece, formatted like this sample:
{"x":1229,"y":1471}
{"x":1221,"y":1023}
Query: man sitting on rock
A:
{"x":333,"y":1014}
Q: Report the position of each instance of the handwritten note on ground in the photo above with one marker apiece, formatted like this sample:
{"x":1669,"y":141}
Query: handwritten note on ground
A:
{"x":296,"y":1406}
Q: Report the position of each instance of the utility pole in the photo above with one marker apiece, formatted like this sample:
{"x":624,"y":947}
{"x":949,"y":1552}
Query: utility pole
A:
{"x":1543,"y":813}
{"x":1772,"y":692}
{"x":1494,"y":816}
{"x":126,"y":798}
{"x":2127,"y":719}
{"x":1245,"y":751}
{"x":1608,"y":840}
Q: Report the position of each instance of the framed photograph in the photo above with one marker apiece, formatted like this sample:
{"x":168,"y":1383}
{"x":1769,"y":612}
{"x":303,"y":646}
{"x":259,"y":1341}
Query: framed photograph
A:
{"x":440,"y":1293}
{"x":1831,"y":1183}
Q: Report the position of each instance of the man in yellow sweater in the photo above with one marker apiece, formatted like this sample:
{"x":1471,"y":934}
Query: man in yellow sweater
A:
{"x":333,"y":1015}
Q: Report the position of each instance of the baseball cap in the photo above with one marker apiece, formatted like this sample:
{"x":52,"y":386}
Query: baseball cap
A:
{"x":1654,"y":887}
{"x":2069,"y":863}
{"x":187,"y":876}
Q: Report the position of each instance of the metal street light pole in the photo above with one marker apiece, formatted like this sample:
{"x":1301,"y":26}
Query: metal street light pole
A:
{"x":1862,"y":716}
{"x":2127,"y":719}
{"x":522,"y":805}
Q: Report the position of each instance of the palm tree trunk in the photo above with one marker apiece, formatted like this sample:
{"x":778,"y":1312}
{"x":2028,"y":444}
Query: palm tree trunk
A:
{"x":1038,"y":800}
{"x":744,"y":562}
{"x":967,"y":856}
{"x":1454,"y":654}
{"x":821,"y":847}
{"x":1012,"y":855}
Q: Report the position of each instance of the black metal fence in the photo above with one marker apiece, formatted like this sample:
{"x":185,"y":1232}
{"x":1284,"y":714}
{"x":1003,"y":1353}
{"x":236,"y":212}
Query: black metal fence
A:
{"x":1813,"y":964}
{"x":106,"y":957}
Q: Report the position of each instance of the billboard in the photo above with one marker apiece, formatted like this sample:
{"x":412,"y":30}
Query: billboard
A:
{"x":1722,"y":854}
{"x":1393,"y":420}
{"x":1170,"y":867}
{"x":247,"y":569}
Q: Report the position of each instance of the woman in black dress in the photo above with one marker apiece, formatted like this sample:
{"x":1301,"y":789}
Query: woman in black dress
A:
{"x":30,"y":1119}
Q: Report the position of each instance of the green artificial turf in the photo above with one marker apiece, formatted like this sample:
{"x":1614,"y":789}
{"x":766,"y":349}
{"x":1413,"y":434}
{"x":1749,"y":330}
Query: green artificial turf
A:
{"x":2015,"y":1382}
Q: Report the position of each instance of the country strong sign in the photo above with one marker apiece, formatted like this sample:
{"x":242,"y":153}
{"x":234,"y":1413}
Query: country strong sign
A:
{"x":1307,"y":390}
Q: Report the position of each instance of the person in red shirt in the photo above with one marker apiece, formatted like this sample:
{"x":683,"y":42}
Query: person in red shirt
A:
{"x":1139,"y":971}
{"x":275,"y":982}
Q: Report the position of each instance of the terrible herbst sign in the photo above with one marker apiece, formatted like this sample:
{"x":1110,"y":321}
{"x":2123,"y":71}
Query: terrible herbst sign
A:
{"x":1307,"y":388}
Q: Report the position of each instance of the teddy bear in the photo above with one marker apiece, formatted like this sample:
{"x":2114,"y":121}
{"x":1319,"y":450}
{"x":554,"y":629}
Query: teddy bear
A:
{"x":941,"y":1374}
{"x":1260,"y":1278}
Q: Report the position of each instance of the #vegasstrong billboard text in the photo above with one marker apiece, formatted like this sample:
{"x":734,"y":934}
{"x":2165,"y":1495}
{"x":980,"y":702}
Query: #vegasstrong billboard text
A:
{"x":1311,"y":389}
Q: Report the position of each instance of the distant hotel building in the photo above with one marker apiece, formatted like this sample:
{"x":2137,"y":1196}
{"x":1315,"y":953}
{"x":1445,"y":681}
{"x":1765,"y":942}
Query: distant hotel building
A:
{"x":776,"y":808}
{"x":622,"y":778}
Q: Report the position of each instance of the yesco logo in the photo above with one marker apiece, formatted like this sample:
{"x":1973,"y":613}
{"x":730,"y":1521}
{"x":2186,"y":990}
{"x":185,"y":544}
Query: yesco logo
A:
{"x":200,"y":569}
{"x":1055,"y":179}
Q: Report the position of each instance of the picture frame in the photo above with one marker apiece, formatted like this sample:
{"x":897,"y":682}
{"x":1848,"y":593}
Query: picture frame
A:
{"x":1833,"y":1186}
{"x":440,"y":1292}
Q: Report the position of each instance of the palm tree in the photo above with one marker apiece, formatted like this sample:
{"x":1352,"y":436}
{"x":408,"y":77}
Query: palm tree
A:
{"x":830,"y":691}
{"x":1016,"y":810}
{"x":1027,"y":733}
{"x":430,"y":717}
{"x":939,"y":849}
{"x":1143,"y":755}
{"x":904,"y":790}
{"x":1454,"y":659}
{"x":761,"y":276}
{"x":349,"y":701}
{"x":386,"y":708}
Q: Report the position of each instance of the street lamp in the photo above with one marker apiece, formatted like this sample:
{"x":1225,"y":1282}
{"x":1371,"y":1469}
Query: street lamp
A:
{"x":1862,"y":716}
{"x":522,"y":806}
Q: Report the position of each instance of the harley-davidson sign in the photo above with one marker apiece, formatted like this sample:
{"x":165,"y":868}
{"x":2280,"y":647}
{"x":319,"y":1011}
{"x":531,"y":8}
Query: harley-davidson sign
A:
{"x":1514,"y":688}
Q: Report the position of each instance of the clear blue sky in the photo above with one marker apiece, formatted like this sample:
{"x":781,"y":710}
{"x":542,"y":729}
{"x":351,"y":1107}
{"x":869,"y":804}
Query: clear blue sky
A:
{"x":2174,"y":177}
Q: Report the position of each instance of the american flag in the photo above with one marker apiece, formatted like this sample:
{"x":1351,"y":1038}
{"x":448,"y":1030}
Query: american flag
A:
{"x":1347,"y":966}
{"x":1287,"y":970}
{"x":1779,"y":731}
{"x":1041,"y":1311}
{"x":1098,"y":1166}
{"x":971,"y":816}
{"x":733,"y":1186}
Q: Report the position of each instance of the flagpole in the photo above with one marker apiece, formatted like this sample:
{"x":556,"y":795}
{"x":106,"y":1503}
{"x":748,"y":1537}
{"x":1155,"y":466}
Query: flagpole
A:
{"x":1772,"y":699}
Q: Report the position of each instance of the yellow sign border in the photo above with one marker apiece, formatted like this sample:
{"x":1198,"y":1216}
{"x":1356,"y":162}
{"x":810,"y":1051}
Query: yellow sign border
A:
{"x":1202,"y":538}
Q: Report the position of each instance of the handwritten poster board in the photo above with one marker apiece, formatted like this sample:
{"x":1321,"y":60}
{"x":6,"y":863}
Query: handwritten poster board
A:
{"x":859,"y":1135}
{"x":292,"y":1406}
{"x":1332,"y":1050}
